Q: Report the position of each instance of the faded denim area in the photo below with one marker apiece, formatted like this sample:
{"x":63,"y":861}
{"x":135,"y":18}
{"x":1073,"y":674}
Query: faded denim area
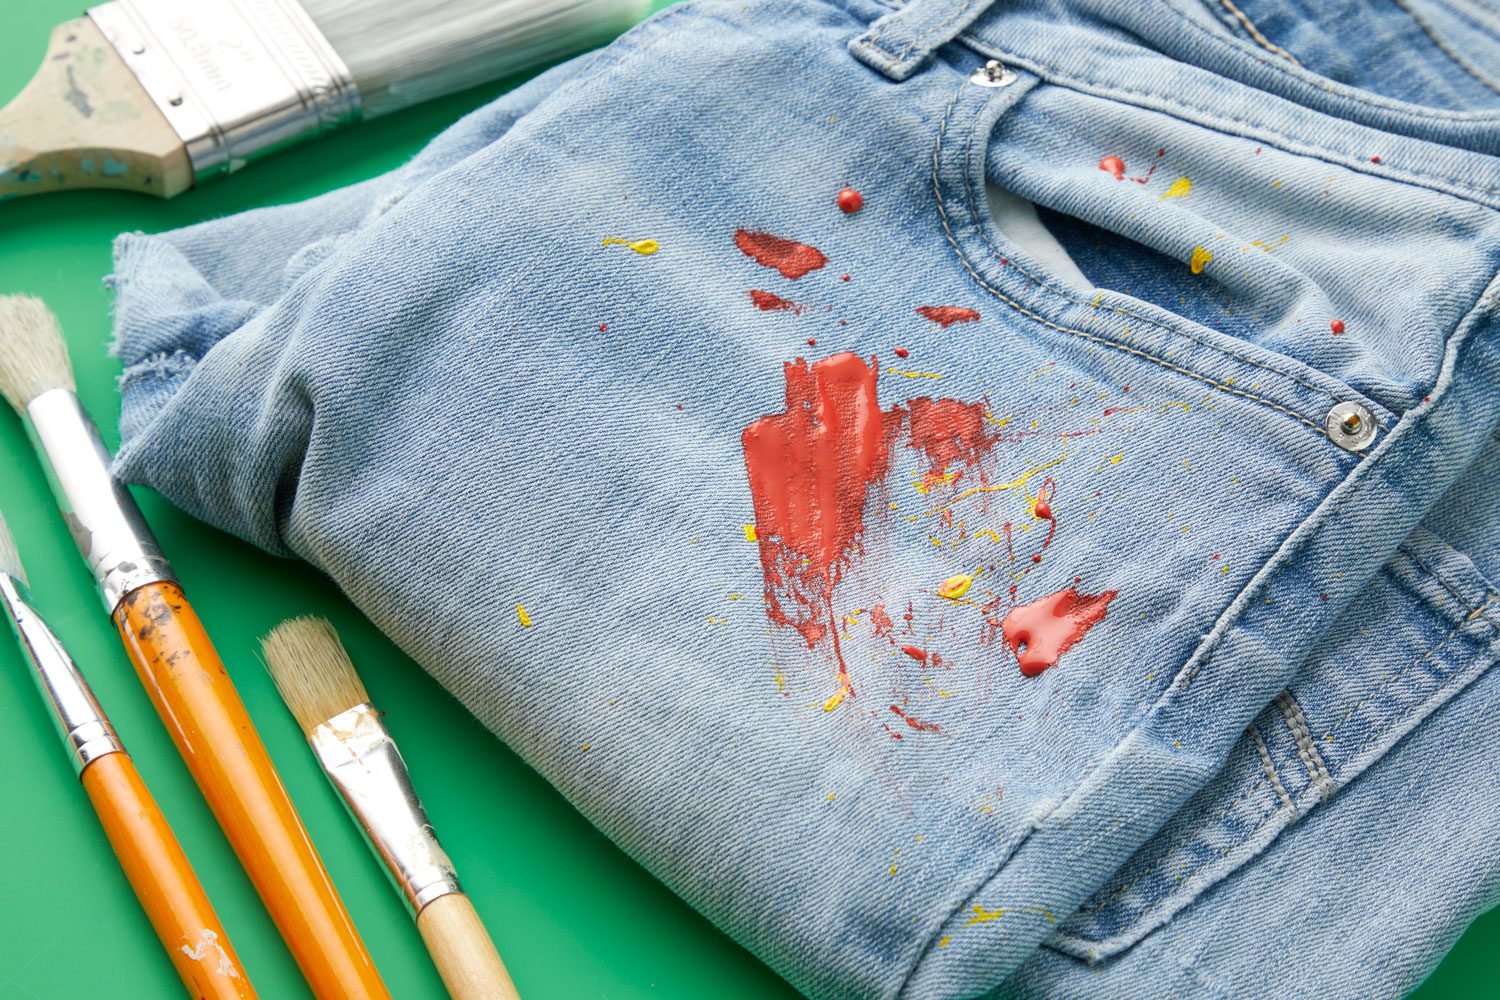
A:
{"x":782,"y":489}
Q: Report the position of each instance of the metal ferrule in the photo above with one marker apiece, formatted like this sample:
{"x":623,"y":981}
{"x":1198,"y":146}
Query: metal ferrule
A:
{"x":85,"y":731}
{"x":107,"y":526}
{"x":362,"y":761}
{"x":235,"y":78}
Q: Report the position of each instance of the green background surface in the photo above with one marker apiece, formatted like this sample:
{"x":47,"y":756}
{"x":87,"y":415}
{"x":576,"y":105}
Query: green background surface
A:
{"x":572,"y":915}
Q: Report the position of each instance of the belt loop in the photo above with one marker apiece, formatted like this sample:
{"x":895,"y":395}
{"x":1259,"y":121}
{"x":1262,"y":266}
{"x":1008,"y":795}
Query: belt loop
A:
{"x":899,"y":43}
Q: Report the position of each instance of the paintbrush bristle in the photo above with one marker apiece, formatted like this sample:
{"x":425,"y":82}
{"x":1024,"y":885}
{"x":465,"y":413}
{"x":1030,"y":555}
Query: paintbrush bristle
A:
{"x":10,"y":559}
{"x":33,"y":355}
{"x":312,"y":671}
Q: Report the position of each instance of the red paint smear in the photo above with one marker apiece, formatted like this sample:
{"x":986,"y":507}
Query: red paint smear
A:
{"x":1049,"y":627}
{"x":1043,"y":508}
{"x":791,"y":258}
{"x":916,"y":653}
{"x":850,"y":201}
{"x":771,"y":302}
{"x":948,"y":432}
{"x":946,"y":316}
{"x":894,"y":735}
{"x":901,"y":352}
{"x":809,"y":468}
{"x":881,"y":621}
{"x":1113,"y":165}
{"x":918,"y":724}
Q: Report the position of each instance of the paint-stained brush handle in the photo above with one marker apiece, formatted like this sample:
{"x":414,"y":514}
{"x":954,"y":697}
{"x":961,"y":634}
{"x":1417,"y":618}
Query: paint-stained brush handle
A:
{"x":163,"y":880}
{"x":208,"y":722}
{"x":462,"y":950}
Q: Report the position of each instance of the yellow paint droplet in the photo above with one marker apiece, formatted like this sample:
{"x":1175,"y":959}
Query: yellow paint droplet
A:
{"x":1180,"y":188}
{"x":643,"y":247}
{"x":1200,"y":258}
{"x":831,"y":795}
{"x":955,"y":586}
{"x":836,"y":699}
{"x":750,"y":535}
{"x":523,"y":616}
{"x":587,"y":745}
{"x":1115,"y":459}
{"x":945,"y":939}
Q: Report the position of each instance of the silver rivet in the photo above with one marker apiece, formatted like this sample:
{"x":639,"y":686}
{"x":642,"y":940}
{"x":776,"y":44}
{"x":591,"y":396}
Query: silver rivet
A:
{"x":1350,"y":426}
{"x":992,"y":74}
{"x":175,"y":100}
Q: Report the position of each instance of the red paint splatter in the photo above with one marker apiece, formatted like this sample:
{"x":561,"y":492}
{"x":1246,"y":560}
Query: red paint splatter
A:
{"x":1042,"y":509}
{"x":1114,"y":166}
{"x":791,"y":258}
{"x":811,"y":342}
{"x":809,"y":468}
{"x":881,"y":621}
{"x":1374,"y":159}
{"x":894,"y":735}
{"x":850,"y":201}
{"x":771,"y":302}
{"x":1037,"y":558}
{"x":908,"y":616}
{"x":901,"y":352}
{"x":916,"y":653}
{"x":844,"y":278}
{"x":946,"y":316}
{"x":603,"y":328}
{"x":1337,"y":326}
{"x":920,"y":725}
{"x":948,"y":432}
{"x":1049,"y":627}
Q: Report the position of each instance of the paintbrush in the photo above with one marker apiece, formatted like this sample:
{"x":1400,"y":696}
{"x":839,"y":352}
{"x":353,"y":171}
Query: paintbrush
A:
{"x":148,"y":851}
{"x":159,"y":95}
{"x":176,"y":662}
{"x":318,"y":681}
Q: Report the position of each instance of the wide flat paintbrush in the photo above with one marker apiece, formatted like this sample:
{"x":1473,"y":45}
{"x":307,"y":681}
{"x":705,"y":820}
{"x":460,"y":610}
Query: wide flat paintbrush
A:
{"x":158,"y":95}
{"x":324,"y":692}
{"x":176,"y":662}
{"x":153,"y":861}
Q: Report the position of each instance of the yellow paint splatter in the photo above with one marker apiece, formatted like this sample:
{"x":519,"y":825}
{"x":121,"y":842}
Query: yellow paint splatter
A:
{"x":1115,"y":459}
{"x":643,"y":247}
{"x":990,"y":532}
{"x":1200,"y":258}
{"x":897,"y":371}
{"x":955,"y":586}
{"x":831,"y":796}
{"x":836,"y":700}
{"x":943,"y":943}
{"x":750,"y":535}
{"x":1180,"y":188}
{"x":587,"y":745}
{"x":780,"y":679}
{"x":523,"y":616}
{"x":1018,"y":483}
{"x":983,"y":916}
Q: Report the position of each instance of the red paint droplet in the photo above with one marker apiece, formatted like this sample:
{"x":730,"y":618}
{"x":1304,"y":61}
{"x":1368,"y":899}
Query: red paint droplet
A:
{"x":791,"y":258}
{"x":1337,"y":326}
{"x":1051,"y":626}
{"x":811,"y":342}
{"x":1257,"y":150}
{"x":603,"y":327}
{"x":771,"y":302}
{"x":1374,"y":159}
{"x":915,"y":652}
{"x":1042,"y":510}
{"x":844,"y":278}
{"x":1323,"y":596}
{"x":1216,"y":555}
{"x":1037,"y":558}
{"x":1077,"y":579}
{"x":916,"y":723}
{"x":946,"y":316}
{"x":679,"y":406}
{"x":1125,"y":388}
{"x":901,"y":352}
{"x":850,"y":201}
{"x":1114,"y":166}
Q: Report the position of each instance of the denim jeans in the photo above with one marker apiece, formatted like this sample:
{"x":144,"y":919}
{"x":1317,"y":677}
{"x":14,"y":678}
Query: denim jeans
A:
{"x":954,"y":490}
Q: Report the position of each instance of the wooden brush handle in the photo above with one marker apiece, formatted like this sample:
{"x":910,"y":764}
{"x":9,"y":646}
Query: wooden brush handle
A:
{"x":462,"y":950}
{"x":85,"y":121}
{"x":163,"y":881}
{"x":213,"y":732}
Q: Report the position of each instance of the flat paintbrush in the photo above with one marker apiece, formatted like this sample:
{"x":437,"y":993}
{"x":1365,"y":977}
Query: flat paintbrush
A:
{"x":176,"y":662}
{"x":159,"y":95}
{"x":321,"y":687}
{"x":149,"y":853}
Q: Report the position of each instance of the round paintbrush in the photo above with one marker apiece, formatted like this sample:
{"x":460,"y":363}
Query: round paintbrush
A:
{"x":321,"y":687}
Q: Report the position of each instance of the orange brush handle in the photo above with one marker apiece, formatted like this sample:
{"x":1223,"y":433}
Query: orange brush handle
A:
{"x":164,"y":881}
{"x":213,"y":732}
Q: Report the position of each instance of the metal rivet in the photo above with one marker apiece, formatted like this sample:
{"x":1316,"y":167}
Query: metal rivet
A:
{"x":1350,"y":426}
{"x":992,"y":74}
{"x":175,"y":100}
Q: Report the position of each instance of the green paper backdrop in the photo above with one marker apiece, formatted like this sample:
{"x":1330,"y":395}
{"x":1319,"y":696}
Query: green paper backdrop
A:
{"x":573,"y":916}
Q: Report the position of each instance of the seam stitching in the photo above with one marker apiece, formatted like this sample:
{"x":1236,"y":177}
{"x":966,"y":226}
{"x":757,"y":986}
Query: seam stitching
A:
{"x":1307,"y":750}
{"x":1458,"y":58}
{"x":1259,"y":38}
{"x":1475,"y":610}
{"x":964,"y":260}
{"x":1270,"y":767}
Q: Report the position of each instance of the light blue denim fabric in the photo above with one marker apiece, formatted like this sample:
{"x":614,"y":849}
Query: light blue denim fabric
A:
{"x":443,"y":388}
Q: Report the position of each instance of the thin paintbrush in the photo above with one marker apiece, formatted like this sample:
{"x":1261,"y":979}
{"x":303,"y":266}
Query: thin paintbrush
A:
{"x":321,"y":687}
{"x":159,"y":95}
{"x":149,"y":853}
{"x":177,"y":663}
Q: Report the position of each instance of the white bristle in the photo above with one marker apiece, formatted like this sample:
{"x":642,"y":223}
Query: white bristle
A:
{"x":10,"y":559}
{"x":403,"y":52}
{"x":314,"y":674}
{"x":33,"y":355}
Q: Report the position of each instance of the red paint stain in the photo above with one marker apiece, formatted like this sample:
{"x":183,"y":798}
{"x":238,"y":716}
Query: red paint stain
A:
{"x":791,"y":258}
{"x":946,"y":316}
{"x":894,"y":735}
{"x":948,"y":432}
{"x":850,"y":201}
{"x":916,"y":653}
{"x":1114,"y":166}
{"x":1049,"y":627}
{"x":771,"y":302}
{"x":1374,"y":159}
{"x":1337,"y":326}
{"x":881,"y":621}
{"x":901,"y":352}
{"x":920,"y":725}
{"x":908,"y":616}
{"x":809,"y":468}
